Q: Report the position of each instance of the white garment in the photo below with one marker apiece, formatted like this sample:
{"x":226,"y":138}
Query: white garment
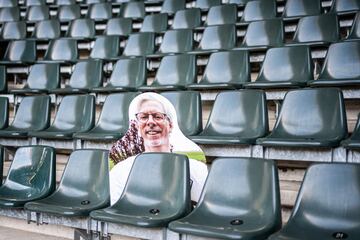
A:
{"x":120,"y":172}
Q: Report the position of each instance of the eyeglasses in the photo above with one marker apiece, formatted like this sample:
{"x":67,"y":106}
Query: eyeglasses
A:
{"x":144,"y":117}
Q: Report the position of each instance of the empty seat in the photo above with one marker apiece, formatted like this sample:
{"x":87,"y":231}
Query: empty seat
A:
{"x":177,"y":41}
{"x":171,"y":7}
{"x":78,"y":194}
{"x":317,"y":30}
{"x":353,"y":142}
{"x":174,"y":73}
{"x":88,"y":2}
{"x":100,"y":11}
{"x":65,"y":2}
{"x":62,"y":50}
{"x":341,"y":66}
{"x":247,"y":208}
{"x":2,"y":150}
{"x":225,"y":70}
{"x":261,"y":35}
{"x":127,"y":75}
{"x":37,"y":13}
{"x":326,"y":205}
{"x":259,"y":10}
{"x":76,"y":113}
{"x":8,"y":3}
{"x":31,"y":176}
{"x":355,"y":29}
{"x":239,"y":2}
{"x":304,"y":119}
{"x":238,"y":117}
{"x":134,"y":10}
{"x":299,"y":8}
{"x":81,"y":28}
{"x":219,"y":37}
{"x":35,"y":2}
{"x":285,"y":67}
{"x":67,"y":13}
{"x":140,"y":44}
{"x":20,"y":51}
{"x":47,"y":29}
{"x":86,"y":75}
{"x":156,"y":23}
{"x":206,"y":4}
{"x":33,"y":114}
{"x":3,"y":80}
{"x":9,"y":14}
{"x":105,"y":47}
{"x":118,"y":27}
{"x":4,"y":113}
{"x":13,"y":30}
{"x":223,"y":14}
{"x":111,"y":126}
{"x":43,"y":78}
{"x":166,"y":200}
{"x":188,"y":110}
{"x":189,"y":18}
{"x":345,"y":7}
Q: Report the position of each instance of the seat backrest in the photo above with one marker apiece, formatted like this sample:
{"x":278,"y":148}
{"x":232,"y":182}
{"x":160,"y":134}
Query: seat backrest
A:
{"x":9,"y":14}
{"x":44,"y":76}
{"x":176,"y":70}
{"x":2,"y":150}
{"x":135,"y":10}
{"x":239,"y":2}
{"x":76,"y":112}
{"x":227,"y":67}
{"x":68,"y":12}
{"x":177,"y":41}
{"x":93,"y":182}
{"x":62,"y":49}
{"x":259,"y":10}
{"x":218,"y":37}
{"x":189,"y":18}
{"x":32,"y":171}
{"x":264,"y":33}
{"x":3,"y":80}
{"x":33,"y":113}
{"x":35,"y":2}
{"x":223,"y":14}
{"x":114,"y":114}
{"x":338,"y":182}
{"x":188,"y":110}
{"x":81,"y":28}
{"x":238,"y":113}
{"x":171,"y":7}
{"x":299,"y":8}
{"x":8,"y":3}
{"x":129,"y":72}
{"x":312,"y":113}
{"x":118,"y":27}
{"x":47,"y":29}
{"x":65,"y":2}
{"x":252,"y":186}
{"x":287,"y":64}
{"x":206,"y":4}
{"x":106,"y":47}
{"x":87,"y":74}
{"x":4,"y":112}
{"x":158,"y":177}
{"x":37,"y":13}
{"x":140,"y":44}
{"x":355,"y":29}
{"x":100,"y":11}
{"x":21,"y":50}
{"x":345,"y":6}
{"x":13,"y":30}
{"x":156,"y":23}
{"x":323,"y":27}
{"x":342,"y":61}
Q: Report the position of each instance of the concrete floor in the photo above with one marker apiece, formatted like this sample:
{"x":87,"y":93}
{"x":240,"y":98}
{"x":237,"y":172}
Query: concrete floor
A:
{"x":11,"y":233}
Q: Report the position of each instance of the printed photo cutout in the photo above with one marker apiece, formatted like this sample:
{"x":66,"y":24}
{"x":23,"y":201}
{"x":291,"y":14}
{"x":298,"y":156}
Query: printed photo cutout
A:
{"x":153,"y":127}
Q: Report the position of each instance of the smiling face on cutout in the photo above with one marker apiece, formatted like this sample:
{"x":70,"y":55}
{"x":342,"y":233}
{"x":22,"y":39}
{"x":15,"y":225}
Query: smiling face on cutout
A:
{"x":154,"y":126}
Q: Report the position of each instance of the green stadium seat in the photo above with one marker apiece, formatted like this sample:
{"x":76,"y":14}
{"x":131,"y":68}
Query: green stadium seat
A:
{"x":78,"y":194}
{"x":177,"y":41}
{"x":82,"y":28}
{"x":31,"y":176}
{"x":168,"y":198}
{"x":105,"y":47}
{"x":140,"y":44}
{"x":8,"y":3}
{"x":174,"y":73}
{"x":4,"y":112}
{"x":62,"y":50}
{"x":355,"y":29}
{"x":76,"y":113}
{"x":171,"y":7}
{"x":134,"y":10}
{"x":3,"y":80}
{"x":13,"y":30}
{"x":206,"y":4}
{"x":33,"y":114}
{"x":295,"y":9}
{"x":304,"y":120}
{"x":64,"y":2}
{"x":86,"y":75}
{"x":35,"y":2}
{"x":341,"y":66}
{"x":127,"y":75}
{"x":285,"y":67}
{"x":188,"y":110}
{"x":20,"y":51}
{"x":240,"y":2}
{"x":240,"y":200}
{"x":156,"y":23}
{"x":317,"y":30}
{"x":37,"y":13}
{"x":353,"y":142}
{"x":223,"y":14}
{"x":43,"y":78}
{"x":88,"y":2}
{"x":67,"y":13}
{"x":100,"y":11}
{"x":118,"y":27}
{"x":259,"y":10}
{"x":2,"y":150}
{"x":189,"y":18}
{"x":238,"y":117}
{"x":47,"y":29}
{"x":9,"y":14}
{"x":327,"y":205}
{"x":110,"y":126}
{"x":345,"y":7}
{"x":225,"y":70}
